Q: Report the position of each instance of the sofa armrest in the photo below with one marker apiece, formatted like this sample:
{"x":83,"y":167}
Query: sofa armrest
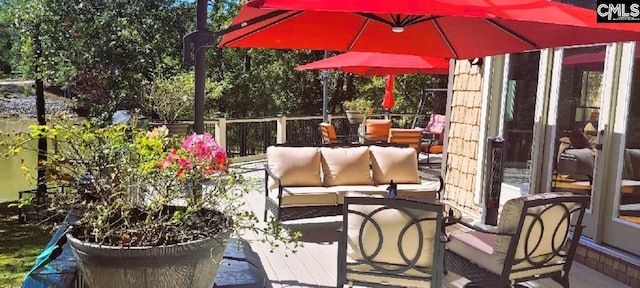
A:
{"x":268,"y":173}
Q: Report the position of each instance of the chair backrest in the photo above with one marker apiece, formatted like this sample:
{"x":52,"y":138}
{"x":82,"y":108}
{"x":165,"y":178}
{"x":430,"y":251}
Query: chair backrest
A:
{"x":378,"y":127}
{"x":541,"y":224}
{"x":436,"y":124}
{"x":390,"y":240}
{"x":328,"y":132}
{"x":411,"y":137}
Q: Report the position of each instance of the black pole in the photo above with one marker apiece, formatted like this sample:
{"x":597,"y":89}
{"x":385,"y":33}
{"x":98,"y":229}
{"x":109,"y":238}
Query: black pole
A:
{"x":201,"y":65}
{"x":325,"y":95}
{"x":40,"y":111}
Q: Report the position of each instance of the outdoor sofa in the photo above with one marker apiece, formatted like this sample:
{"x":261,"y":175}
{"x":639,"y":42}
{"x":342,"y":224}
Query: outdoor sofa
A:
{"x":305,"y":182}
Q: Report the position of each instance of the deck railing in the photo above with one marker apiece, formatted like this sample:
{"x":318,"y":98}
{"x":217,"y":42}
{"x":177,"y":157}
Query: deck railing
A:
{"x":248,"y":139}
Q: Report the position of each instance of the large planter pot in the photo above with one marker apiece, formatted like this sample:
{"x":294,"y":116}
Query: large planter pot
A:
{"x":175,"y":129}
{"x":191,"y":264}
{"x":355,"y":118}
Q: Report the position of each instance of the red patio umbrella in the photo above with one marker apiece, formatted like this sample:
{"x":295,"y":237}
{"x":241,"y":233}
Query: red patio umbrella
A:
{"x":376,"y":64}
{"x":460,"y":29}
{"x":388,"y":101}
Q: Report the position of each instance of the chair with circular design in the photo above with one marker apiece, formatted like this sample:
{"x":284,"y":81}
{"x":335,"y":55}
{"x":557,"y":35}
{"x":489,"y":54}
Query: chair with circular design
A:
{"x":536,"y":237}
{"x":391,"y":242}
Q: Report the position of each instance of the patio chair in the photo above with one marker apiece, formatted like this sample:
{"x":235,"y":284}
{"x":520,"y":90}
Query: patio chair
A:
{"x":377,"y":130}
{"x":432,"y":143}
{"x":390,"y":242}
{"x":411,"y":137}
{"x":536,"y":237}
{"x":329,"y":135}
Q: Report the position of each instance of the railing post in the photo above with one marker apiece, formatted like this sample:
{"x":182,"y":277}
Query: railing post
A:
{"x":281,"y":131}
{"x":221,"y":132}
{"x":329,"y":118}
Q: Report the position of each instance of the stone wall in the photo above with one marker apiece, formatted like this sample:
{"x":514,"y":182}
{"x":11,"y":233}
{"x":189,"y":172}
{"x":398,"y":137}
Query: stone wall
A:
{"x":464,"y":132}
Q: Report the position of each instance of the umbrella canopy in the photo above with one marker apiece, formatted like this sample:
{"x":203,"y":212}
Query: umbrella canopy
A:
{"x":459,"y":29}
{"x":376,"y":64}
{"x":388,"y":101}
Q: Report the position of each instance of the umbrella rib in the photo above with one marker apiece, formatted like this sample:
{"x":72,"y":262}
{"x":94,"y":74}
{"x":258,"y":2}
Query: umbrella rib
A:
{"x":512,"y":33}
{"x":446,"y":39}
{"x":353,"y":42}
{"x":422,"y":19}
{"x":374,"y":17}
{"x":264,"y":18}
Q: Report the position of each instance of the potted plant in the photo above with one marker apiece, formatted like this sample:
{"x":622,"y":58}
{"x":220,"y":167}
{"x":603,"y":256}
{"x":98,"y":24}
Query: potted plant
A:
{"x":356,"y":109}
{"x":152,"y":210}
{"x":171,"y":99}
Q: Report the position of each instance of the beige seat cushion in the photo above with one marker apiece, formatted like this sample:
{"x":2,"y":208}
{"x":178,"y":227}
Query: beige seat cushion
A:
{"x":477,"y":247}
{"x":346,"y":166}
{"x":365,"y":273}
{"x":305,"y":196}
{"x":552,"y":218}
{"x":358,"y":191}
{"x":391,"y":223}
{"x":399,"y":164}
{"x":295,"y":166}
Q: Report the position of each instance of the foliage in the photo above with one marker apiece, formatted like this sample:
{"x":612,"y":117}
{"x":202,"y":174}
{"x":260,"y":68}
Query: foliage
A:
{"x":360,"y":105}
{"x":139,"y":188}
{"x":102,"y":50}
{"x":171,"y":98}
{"x":105,"y":52}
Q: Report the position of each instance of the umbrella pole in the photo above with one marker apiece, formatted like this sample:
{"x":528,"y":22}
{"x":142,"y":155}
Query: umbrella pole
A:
{"x":325,"y":96}
{"x":200,"y":69}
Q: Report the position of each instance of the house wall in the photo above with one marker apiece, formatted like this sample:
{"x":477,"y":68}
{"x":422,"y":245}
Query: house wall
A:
{"x":464,"y":133}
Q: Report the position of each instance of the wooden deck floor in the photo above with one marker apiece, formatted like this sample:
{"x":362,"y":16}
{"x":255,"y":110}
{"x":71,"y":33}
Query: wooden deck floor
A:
{"x":315,"y":265}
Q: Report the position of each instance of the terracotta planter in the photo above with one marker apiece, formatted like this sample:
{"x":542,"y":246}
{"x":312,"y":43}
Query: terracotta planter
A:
{"x":192,"y":264}
{"x":355,"y":118}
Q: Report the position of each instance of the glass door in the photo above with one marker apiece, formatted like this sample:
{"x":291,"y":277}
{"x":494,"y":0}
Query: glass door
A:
{"x":577,"y":122}
{"x":621,"y":184}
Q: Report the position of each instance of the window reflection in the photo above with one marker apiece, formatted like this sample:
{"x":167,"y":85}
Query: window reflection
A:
{"x":519,"y":118}
{"x":577,"y":118}
{"x":629,"y":208}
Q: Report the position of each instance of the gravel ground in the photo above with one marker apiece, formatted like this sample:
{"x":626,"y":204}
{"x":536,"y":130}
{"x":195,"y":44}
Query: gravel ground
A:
{"x":15,"y":100}
{"x":26,"y":107}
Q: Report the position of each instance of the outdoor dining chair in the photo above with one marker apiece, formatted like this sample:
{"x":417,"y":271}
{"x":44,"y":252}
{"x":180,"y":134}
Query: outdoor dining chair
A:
{"x":390,"y":242}
{"x":432,"y":133}
{"x":329,"y":136}
{"x":411,"y":137}
{"x":536,"y":237}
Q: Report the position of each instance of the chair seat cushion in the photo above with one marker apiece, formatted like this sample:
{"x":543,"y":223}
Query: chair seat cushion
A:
{"x":432,"y":149}
{"x":357,"y":190}
{"x":295,"y":166}
{"x":477,"y":247}
{"x":305,"y":196}
{"x":355,"y":273}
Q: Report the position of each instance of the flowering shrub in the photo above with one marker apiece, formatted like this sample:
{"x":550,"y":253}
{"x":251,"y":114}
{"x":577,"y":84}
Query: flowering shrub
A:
{"x":133,"y":187}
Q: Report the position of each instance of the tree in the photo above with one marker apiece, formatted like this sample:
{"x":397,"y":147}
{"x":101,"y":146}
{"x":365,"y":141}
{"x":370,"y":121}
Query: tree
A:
{"x":105,"y":50}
